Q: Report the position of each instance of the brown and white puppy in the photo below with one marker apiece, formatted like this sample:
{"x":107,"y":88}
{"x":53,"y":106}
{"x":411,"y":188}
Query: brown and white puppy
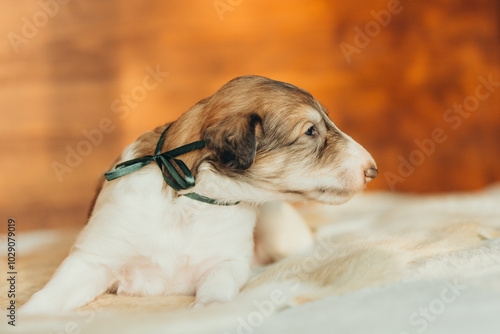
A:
{"x":265,"y":141}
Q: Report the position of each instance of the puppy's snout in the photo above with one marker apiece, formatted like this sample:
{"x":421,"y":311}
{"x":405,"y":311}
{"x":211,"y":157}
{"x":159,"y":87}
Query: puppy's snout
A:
{"x":371,"y":173}
{"x":359,"y":165}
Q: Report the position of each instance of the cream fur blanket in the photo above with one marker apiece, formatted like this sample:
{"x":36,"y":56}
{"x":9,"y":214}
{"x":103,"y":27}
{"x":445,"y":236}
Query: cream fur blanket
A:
{"x":383,"y":263}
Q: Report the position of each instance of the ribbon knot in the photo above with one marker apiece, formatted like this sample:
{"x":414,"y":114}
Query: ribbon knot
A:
{"x":167,"y":163}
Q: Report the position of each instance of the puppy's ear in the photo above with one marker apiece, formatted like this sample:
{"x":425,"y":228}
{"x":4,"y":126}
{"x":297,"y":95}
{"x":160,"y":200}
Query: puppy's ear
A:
{"x":233,"y":140}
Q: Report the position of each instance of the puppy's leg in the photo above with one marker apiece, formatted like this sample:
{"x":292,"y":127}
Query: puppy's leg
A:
{"x":222,"y":282}
{"x":280,"y":232}
{"x":76,"y":282}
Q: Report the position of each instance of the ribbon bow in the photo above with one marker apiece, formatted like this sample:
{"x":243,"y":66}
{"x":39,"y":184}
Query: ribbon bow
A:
{"x":166,"y":162}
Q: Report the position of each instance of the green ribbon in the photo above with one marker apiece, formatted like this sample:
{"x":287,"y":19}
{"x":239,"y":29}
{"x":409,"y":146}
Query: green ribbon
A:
{"x":166,"y":163}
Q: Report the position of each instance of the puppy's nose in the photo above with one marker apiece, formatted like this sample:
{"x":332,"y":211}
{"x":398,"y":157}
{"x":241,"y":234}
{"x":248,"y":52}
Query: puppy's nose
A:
{"x":370,"y":173}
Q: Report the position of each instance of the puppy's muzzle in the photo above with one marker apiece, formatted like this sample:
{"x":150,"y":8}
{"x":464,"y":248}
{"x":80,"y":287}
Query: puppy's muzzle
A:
{"x":370,"y":173}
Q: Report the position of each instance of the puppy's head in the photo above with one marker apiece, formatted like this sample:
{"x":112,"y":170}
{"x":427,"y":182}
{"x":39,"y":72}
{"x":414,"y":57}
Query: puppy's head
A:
{"x":278,"y":140}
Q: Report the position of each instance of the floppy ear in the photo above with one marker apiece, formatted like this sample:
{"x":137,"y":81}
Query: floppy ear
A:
{"x":233,"y":140}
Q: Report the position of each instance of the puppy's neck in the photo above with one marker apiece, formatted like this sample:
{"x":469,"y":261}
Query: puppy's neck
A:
{"x":228,"y":189}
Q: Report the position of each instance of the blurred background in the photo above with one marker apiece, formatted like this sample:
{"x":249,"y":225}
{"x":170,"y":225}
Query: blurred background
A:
{"x":417,"y":83}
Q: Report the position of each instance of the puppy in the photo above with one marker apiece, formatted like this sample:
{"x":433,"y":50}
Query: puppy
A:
{"x":254,"y":141}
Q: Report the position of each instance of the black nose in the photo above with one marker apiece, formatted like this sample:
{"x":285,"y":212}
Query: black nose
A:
{"x":370,"y":174}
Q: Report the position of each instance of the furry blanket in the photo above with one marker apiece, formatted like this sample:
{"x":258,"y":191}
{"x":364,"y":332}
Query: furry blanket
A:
{"x":383,"y":263}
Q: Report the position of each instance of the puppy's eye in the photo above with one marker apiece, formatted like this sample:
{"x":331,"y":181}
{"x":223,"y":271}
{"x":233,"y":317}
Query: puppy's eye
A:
{"x":311,"y":131}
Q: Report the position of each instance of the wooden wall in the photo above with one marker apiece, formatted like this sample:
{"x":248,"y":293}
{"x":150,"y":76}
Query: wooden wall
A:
{"x":79,"y":71}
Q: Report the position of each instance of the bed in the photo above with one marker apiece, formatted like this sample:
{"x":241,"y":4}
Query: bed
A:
{"x":382,"y":263}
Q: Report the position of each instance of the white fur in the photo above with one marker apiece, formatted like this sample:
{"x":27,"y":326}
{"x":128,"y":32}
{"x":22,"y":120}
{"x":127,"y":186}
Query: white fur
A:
{"x":152,"y":243}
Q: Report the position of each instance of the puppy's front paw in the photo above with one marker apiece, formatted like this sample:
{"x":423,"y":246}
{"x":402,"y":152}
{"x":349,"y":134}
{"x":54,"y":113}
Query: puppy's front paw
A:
{"x":221,"y":283}
{"x":197,"y":305}
{"x":213,"y":289}
{"x":39,"y":303}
